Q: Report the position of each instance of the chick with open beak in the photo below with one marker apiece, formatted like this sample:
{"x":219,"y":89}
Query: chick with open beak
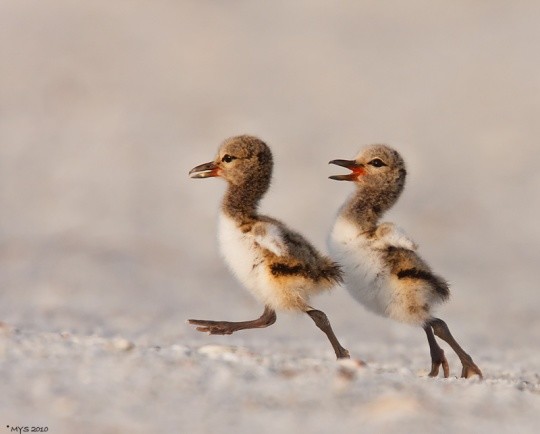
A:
{"x":357,"y":169}
{"x":276,"y":264}
{"x":382,"y":269}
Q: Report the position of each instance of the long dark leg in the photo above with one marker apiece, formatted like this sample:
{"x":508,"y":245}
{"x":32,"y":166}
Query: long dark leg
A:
{"x":321,"y":321}
{"x":227,"y":328}
{"x":441,"y":330}
{"x":437,"y":355}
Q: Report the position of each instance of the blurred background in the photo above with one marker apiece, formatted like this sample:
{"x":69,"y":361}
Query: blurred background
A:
{"x":105,"y":106}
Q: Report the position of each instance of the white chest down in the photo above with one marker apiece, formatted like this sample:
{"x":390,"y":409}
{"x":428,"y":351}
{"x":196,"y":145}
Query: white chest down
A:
{"x":244,"y":257}
{"x":366,"y":277}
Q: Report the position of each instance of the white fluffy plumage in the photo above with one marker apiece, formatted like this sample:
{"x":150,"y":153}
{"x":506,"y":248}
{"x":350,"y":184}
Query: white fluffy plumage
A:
{"x":242,"y":253}
{"x":368,"y":277}
{"x":365,"y":274}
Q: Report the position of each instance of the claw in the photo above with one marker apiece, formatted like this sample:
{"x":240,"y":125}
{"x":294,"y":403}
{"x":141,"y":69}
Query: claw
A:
{"x":471,"y":371}
{"x":434,"y":369}
{"x":344,"y":354}
{"x":446,"y":368}
{"x":436,"y":364}
{"x":212,"y":327}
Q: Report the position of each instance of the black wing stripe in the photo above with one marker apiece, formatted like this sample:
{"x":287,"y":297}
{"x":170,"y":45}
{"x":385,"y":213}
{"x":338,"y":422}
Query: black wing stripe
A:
{"x":438,"y":284}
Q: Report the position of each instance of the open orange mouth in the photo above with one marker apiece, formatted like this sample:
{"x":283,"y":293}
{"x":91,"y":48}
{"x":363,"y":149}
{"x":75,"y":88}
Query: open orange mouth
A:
{"x":356,"y":169}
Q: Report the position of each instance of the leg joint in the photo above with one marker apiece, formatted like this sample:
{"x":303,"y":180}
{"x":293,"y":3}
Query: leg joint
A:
{"x":319,"y":317}
{"x":439,"y":326}
{"x":269,"y":316}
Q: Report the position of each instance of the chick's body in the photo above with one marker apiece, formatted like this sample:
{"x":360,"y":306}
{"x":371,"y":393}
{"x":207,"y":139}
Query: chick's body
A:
{"x":382,"y":271}
{"x":277,"y":265}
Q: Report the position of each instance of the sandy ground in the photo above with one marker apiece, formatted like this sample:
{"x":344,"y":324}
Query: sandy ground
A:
{"x":107,"y":247}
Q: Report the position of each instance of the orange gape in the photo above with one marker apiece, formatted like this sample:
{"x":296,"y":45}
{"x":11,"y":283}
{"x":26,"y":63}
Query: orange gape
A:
{"x":358,"y":171}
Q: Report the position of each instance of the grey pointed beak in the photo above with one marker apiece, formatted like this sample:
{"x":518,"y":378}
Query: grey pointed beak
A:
{"x":206,"y":170}
{"x":356,"y":168}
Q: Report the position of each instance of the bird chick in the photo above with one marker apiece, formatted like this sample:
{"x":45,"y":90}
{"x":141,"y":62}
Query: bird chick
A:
{"x":276,"y":264}
{"x":382,"y":269}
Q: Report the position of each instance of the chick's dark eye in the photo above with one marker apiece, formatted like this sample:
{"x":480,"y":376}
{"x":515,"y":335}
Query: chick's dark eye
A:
{"x":228,"y":158}
{"x":377,"y":162}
